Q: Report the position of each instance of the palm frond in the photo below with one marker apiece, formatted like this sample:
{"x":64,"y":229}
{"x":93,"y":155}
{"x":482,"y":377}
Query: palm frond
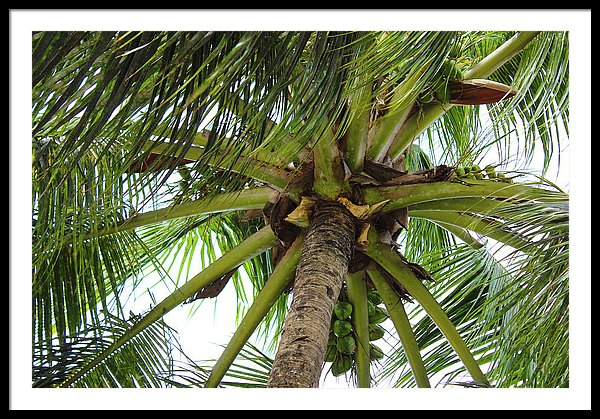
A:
{"x":459,"y":138}
{"x":460,"y":287}
{"x":132,"y":123}
{"x":531,"y":307}
{"x":196,"y":242}
{"x":418,"y":58}
{"x":138,"y":82}
{"x":246,"y":250}
{"x":166,"y":87}
{"x":143,"y":362}
{"x":187,"y":374}
{"x":539,"y":114}
{"x":536,"y":66}
{"x":251,"y":370}
{"x":510,"y":307}
{"x":422,"y":237}
{"x":69,"y":281}
{"x":70,"y":218}
{"x":403,"y":273}
{"x":536,"y":116}
{"x":100,"y":268}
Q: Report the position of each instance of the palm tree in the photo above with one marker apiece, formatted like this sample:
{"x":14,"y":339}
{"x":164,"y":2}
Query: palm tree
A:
{"x":349,"y":172}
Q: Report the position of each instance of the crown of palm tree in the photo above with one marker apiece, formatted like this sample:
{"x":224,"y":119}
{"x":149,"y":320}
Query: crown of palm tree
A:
{"x":153,"y":147}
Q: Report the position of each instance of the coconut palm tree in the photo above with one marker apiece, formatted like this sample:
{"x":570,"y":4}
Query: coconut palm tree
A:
{"x":346,"y":177}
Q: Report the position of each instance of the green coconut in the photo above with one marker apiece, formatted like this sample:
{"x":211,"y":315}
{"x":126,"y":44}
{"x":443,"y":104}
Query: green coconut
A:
{"x":346,"y":344}
{"x":342,"y":328}
{"x":331,"y":352}
{"x":341,"y":365}
{"x":502,"y":178}
{"x":342,"y":310}
{"x":374,"y":297}
{"x":379,"y":315}
{"x":442,"y":93}
{"x":451,"y":70}
{"x":490,"y":171}
{"x":375,"y":352}
{"x":371,"y":308}
{"x":376,"y":332}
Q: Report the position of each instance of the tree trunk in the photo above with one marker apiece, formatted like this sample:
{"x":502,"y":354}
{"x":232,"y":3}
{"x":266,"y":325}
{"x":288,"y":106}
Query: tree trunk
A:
{"x":323,"y":266}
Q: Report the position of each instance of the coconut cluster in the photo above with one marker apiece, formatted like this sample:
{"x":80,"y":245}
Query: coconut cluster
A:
{"x":476,"y":172}
{"x":341,"y":347}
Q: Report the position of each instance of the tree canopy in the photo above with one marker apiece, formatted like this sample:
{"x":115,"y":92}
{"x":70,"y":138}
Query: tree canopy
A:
{"x":151,"y":148}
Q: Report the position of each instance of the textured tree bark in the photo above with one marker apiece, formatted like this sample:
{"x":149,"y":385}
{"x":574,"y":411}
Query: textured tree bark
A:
{"x":328,"y":249}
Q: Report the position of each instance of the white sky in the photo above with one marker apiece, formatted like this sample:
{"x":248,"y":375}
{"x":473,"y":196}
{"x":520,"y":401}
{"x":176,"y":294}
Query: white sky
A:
{"x":22,"y":22}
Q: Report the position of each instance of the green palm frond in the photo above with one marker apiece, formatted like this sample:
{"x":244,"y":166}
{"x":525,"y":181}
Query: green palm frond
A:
{"x":460,"y":278}
{"x":531,"y":305}
{"x":141,"y":363}
{"x":251,"y":370}
{"x":460,"y":138}
{"x":68,"y":217}
{"x":161,"y":86}
{"x":196,"y":242}
{"x":70,"y":288}
{"x":254,"y":245}
{"x":187,"y":374}
{"x":73,"y":277}
{"x":539,"y":114}
{"x":536,"y":116}
{"x":422,"y":237}
{"x":510,"y":308}
{"x":166,"y":87}
{"x":189,"y":244}
{"x":127,"y":126}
